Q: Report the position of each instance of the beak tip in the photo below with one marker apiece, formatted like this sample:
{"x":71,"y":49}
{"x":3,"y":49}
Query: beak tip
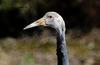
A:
{"x":34,"y":24}
{"x":25,"y":28}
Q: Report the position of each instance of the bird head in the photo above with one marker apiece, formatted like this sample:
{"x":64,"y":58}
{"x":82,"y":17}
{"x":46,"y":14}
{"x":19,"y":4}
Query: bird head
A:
{"x":50,"y":19}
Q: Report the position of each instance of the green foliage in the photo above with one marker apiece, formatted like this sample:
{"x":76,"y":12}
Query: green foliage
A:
{"x":28,"y":59}
{"x":23,"y":5}
{"x":48,"y":46}
{"x":6,"y":4}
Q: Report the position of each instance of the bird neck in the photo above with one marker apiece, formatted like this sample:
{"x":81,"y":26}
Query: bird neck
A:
{"x":62,"y":55}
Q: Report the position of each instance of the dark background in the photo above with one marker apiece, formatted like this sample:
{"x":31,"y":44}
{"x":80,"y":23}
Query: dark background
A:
{"x":78,"y":14}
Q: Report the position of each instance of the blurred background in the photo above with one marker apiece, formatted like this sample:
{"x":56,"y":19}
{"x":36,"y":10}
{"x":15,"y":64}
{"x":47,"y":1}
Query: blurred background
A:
{"x":37,"y":46}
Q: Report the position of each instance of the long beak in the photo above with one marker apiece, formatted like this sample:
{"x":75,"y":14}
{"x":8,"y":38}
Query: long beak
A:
{"x":39,"y":22}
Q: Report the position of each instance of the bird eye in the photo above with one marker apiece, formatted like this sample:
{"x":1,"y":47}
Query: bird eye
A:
{"x":49,"y":16}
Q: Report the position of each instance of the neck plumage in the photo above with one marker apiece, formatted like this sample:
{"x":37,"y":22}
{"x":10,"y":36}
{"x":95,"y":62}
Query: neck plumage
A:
{"x":62,"y":55}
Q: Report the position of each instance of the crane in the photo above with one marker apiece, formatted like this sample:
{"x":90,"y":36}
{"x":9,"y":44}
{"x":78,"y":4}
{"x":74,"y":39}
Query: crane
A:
{"x":54,"y":20}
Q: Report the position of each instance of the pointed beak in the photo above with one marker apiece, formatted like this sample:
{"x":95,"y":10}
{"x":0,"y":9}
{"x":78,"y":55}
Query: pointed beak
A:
{"x":40,"y":22}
